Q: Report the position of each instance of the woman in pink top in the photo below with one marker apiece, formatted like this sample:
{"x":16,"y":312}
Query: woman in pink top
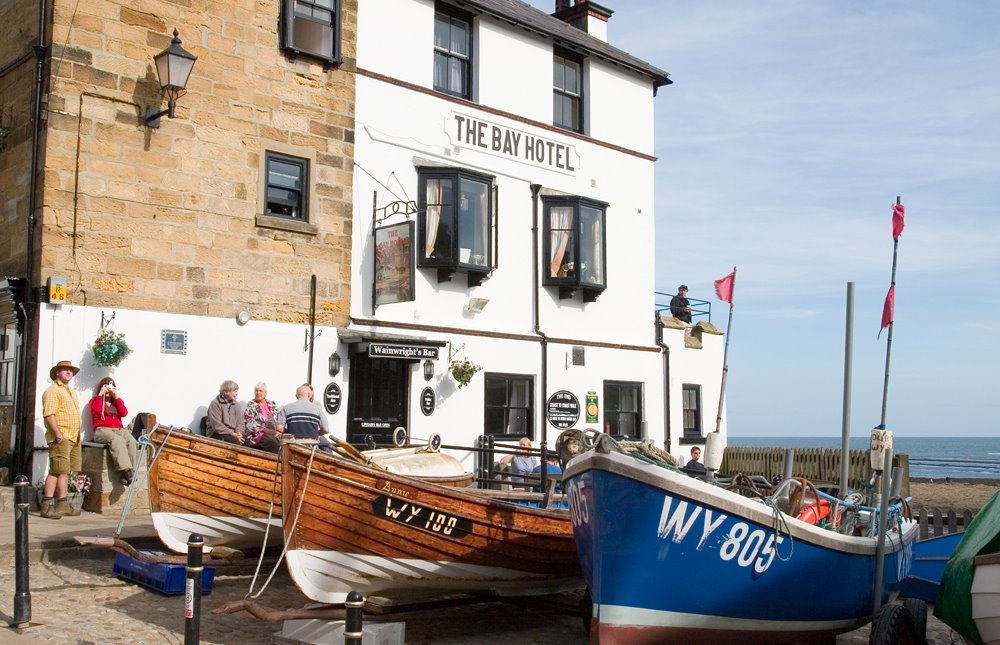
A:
{"x":107,"y":409}
{"x":259,"y":417}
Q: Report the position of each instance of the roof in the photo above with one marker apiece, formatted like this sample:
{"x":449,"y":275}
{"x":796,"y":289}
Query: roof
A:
{"x":523,"y":15}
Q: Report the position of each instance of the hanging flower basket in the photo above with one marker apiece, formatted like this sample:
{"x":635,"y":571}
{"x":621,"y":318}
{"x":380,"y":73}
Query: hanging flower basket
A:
{"x":110,"y":348}
{"x":463,"y":371}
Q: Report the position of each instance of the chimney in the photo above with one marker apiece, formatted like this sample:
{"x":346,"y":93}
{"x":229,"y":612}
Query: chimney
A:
{"x":586,"y":16}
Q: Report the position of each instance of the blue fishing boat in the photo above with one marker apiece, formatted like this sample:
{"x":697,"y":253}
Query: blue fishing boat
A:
{"x":671,"y":558}
{"x":929,"y":559}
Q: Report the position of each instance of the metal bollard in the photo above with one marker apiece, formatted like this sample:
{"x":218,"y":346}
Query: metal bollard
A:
{"x":22,"y":590}
{"x":192,"y":590}
{"x":353,"y":629}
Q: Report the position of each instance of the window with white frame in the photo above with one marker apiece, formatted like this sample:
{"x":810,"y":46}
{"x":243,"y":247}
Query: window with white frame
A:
{"x":575,"y":246}
{"x":312,"y":27}
{"x":567,"y":93}
{"x":508,"y":405}
{"x":452,"y":51}
{"x":456,"y":223}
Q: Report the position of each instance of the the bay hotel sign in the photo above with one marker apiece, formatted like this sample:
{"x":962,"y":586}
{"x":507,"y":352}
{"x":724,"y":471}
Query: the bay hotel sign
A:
{"x":478,"y":134}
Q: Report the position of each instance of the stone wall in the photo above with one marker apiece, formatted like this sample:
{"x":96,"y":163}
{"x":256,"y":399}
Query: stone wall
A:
{"x":169,"y":219}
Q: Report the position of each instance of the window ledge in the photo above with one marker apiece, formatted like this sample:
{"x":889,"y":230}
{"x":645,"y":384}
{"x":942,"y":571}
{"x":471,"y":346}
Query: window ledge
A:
{"x":691,"y":441}
{"x":285,"y":224}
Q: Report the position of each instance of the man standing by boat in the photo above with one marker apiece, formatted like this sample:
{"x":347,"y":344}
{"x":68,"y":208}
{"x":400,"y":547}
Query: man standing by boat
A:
{"x":680,"y":307}
{"x":694,"y":465}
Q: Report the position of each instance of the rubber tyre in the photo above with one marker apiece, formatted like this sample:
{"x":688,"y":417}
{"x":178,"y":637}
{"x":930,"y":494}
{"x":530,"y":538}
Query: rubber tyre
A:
{"x":892,"y":625}
{"x":918,"y":616}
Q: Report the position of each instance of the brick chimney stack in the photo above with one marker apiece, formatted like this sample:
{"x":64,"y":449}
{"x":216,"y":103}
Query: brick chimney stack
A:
{"x":586,"y":16}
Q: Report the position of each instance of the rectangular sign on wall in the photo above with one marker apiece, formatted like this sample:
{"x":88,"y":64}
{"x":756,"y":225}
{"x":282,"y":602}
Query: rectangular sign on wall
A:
{"x":393,"y":264}
{"x":173,"y":341}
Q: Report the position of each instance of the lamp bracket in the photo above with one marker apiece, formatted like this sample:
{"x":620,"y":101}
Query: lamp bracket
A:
{"x":309,"y":340}
{"x":455,"y":350}
{"x":399,"y":207}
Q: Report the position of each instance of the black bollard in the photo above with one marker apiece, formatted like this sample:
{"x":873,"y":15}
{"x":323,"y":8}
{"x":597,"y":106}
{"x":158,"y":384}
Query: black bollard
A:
{"x":192,"y":590}
{"x":22,"y":591}
{"x":353,"y":629}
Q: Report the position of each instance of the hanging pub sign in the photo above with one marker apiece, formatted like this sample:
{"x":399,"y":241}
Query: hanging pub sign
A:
{"x":393,"y":264}
{"x":332,"y":398}
{"x":591,"y":407}
{"x":562,"y":410}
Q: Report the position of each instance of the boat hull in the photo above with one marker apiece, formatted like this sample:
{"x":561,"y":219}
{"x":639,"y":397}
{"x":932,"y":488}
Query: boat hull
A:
{"x":217,"y":489}
{"x":669,"y":558}
{"x":352,"y":527}
{"x":929,"y":559}
{"x":986,"y":597}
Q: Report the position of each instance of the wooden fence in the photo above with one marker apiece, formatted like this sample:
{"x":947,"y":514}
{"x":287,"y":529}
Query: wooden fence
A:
{"x":934,"y":522}
{"x":815,"y":464}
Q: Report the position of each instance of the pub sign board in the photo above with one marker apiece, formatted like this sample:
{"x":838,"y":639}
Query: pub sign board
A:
{"x":427,"y":401}
{"x":562,"y":410}
{"x":331,"y":398}
{"x":408,"y":352}
{"x":394,"y":273}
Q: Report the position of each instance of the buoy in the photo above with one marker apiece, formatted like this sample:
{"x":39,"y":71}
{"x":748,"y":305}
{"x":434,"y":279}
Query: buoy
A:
{"x":808,"y":514}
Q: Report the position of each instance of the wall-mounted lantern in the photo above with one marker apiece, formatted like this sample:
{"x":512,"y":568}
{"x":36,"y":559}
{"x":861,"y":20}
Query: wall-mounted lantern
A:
{"x":428,"y":369}
{"x":173,"y":66}
{"x":334,"y":364}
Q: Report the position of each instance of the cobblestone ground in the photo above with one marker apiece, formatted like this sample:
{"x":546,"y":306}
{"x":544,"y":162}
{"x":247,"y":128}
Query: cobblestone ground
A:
{"x":81,"y":602}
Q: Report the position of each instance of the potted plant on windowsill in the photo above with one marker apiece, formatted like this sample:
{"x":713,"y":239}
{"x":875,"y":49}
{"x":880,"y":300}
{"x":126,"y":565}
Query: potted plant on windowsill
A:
{"x":110,"y":348}
{"x":463,"y":371}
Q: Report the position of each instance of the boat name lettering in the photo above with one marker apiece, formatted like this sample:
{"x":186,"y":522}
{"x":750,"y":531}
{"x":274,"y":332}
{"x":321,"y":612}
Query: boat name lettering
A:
{"x":748,"y":547}
{"x":579,"y":512}
{"x":679,"y":522}
{"x":421,"y":517}
{"x":388,"y":487}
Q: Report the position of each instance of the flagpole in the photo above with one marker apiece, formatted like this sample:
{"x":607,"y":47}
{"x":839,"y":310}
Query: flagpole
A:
{"x":725,"y":357}
{"x":888,"y":344}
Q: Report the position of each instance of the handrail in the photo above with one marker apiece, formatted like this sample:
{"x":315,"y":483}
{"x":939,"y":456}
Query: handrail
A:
{"x":698,"y":307}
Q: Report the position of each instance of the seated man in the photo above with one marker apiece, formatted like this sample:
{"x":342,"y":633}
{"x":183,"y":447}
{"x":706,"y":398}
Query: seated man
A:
{"x":694,"y":465}
{"x":553,"y":471}
{"x":225,"y":416}
{"x":303,"y":419}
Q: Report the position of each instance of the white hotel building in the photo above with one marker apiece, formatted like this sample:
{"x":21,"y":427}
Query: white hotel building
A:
{"x":503,"y":215}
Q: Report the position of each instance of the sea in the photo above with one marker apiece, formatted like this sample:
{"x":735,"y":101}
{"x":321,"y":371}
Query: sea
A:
{"x":930,"y":457}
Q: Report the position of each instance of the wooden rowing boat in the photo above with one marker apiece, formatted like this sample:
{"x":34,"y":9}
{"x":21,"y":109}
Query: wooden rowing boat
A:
{"x":223,"y":491}
{"x":351,"y":527}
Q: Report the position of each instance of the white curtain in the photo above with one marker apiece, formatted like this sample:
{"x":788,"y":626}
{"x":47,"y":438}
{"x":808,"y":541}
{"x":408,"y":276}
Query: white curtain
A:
{"x":517,"y":422}
{"x":598,"y":257}
{"x":484,"y":223}
{"x":433,"y":218}
{"x":560,"y":219}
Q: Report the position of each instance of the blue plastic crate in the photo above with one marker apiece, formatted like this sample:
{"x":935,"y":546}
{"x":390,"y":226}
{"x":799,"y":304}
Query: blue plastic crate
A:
{"x":165,"y":578}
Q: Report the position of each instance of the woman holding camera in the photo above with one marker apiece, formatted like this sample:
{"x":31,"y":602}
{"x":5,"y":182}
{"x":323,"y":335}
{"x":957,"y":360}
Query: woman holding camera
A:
{"x":107,"y":409}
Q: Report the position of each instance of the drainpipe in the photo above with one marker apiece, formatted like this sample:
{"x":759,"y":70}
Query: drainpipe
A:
{"x":535,"y":281}
{"x":666,"y":382}
{"x":25,"y":440}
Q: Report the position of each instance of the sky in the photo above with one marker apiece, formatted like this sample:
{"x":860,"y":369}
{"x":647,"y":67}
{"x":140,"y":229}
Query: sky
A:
{"x":789,"y":131}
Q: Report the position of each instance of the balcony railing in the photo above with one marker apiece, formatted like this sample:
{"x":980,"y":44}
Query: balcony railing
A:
{"x":699,"y":308}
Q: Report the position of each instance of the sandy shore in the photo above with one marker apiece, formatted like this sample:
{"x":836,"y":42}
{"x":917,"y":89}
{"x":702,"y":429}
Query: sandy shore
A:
{"x":957,"y":494}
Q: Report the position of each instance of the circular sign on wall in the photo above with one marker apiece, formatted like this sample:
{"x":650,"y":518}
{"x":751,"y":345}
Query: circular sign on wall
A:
{"x":562,"y":409}
{"x":427,"y":401}
{"x":331,"y":398}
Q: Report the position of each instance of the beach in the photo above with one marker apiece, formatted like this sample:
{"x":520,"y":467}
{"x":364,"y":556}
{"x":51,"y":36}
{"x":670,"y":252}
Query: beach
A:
{"x":955,"y":494}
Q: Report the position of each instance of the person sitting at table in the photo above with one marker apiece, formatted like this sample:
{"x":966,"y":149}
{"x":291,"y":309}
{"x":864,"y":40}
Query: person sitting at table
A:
{"x":260,"y":419}
{"x":552,"y":470}
{"x":225,"y":418}
{"x":521,"y":462}
{"x":107,"y":410}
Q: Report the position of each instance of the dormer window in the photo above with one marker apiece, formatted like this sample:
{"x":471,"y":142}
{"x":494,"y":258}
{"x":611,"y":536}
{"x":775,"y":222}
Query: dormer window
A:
{"x":567,"y":93}
{"x":575,"y":246}
{"x":456,"y":223}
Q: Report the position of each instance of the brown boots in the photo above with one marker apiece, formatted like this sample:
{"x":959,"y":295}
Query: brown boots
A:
{"x":48,"y":509}
{"x":63,"y":507}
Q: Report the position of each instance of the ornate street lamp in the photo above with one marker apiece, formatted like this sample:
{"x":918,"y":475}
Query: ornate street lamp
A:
{"x":173,"y":66}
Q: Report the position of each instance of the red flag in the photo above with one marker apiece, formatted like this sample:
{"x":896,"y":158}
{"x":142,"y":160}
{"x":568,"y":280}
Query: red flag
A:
{"x":897,"y":221}
{"x":724,"y":288}
{"x":890,"y":304}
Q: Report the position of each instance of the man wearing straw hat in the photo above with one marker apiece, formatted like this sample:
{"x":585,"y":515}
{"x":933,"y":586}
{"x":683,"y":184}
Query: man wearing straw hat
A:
{"x":61,"y":411}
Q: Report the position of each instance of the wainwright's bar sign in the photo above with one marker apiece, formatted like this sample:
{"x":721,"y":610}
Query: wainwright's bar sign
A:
{"x":477,"y":134}
{"x":412,"y":352}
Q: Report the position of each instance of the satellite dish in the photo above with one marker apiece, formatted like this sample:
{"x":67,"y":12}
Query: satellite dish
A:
{"x":399,"y":437}
{"x":434,"y":442}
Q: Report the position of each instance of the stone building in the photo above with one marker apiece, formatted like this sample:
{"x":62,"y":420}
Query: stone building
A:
{"x":218,"y":242}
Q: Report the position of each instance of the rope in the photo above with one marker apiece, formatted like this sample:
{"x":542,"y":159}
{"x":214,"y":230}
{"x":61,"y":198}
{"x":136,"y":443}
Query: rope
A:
{"x":295,"y":520}
{"x":140,"y":475}
{"x":267,"y":526}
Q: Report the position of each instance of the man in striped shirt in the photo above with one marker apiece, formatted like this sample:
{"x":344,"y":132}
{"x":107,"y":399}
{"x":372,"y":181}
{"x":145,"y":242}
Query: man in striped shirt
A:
{"x":303,"y":419}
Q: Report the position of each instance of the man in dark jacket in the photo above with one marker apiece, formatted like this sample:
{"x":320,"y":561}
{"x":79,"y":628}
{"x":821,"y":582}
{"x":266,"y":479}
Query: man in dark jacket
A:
{"x":680,"y":308}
